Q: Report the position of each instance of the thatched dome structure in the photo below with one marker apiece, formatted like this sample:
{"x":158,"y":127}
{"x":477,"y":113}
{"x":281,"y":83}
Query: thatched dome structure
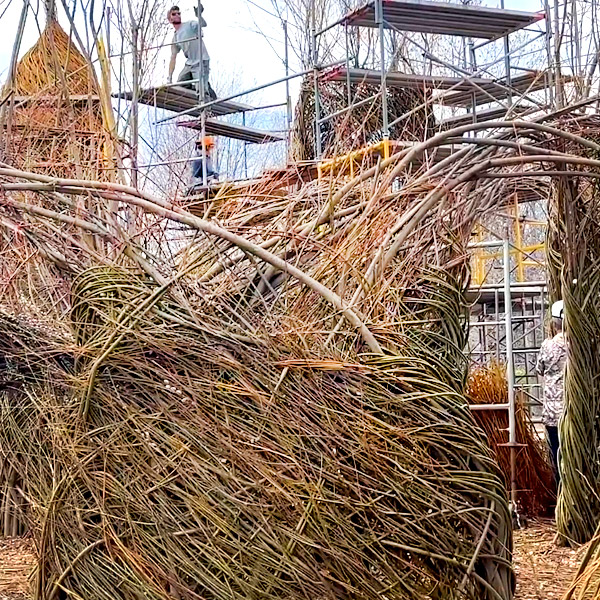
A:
{"x":56,"y":126}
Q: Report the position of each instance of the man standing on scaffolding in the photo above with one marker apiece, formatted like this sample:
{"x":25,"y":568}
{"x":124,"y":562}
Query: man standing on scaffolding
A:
{"x":197,"y":60}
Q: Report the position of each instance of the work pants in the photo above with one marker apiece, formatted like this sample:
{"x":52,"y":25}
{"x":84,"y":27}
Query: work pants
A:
{"x":189,"y":73}
{"x":553,"y":445}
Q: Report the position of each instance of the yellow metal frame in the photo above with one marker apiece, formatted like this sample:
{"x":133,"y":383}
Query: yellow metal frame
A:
{"x":518,"y":241}
{"x":481,"y":257}
{"x":520,"y":252}
{"x":352,"y":158}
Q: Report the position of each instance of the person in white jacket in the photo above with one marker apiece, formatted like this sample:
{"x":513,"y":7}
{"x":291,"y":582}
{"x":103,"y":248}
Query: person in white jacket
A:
{"x":551,"y":363}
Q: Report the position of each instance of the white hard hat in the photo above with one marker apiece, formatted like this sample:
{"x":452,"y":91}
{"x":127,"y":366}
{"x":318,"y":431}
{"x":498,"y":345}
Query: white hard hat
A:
{"x":557,"y":309}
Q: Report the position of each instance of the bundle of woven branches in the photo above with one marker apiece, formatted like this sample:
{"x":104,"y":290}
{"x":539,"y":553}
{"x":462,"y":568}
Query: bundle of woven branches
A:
{"x":586,"y":582}
{"x":54,"y":64}
{"x":573,"y":255}
{"x":53,"y":126}
{"x":360,"y":126}
{"x":535,"y":479}
{"x":218,"y":468}
{"x":232,"y":425}
{"x":29,"y":352}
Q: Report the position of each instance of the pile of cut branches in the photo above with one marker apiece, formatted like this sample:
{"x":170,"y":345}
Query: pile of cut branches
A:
{"x":574,"y":274}
{"x":535,"y":479}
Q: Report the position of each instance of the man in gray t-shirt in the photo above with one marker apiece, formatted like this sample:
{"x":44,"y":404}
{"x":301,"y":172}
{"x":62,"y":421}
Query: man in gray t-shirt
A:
{"x":197,"y":61}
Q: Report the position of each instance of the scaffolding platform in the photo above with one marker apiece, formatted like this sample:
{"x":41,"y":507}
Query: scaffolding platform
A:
{"x":236,"y":132}
{"x":395,"y":79}
{"x":443,"y":18}
{"x":485,"y":89}
{"x":179,"y":99}
{"x":497,"y":90}
{"x":487,"y":294}
{"x":490,"y":114}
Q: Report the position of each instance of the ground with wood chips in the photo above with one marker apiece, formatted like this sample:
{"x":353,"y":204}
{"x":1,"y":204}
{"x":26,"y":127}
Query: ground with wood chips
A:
{"x":544,"y":571}
{"x":16,"y":563}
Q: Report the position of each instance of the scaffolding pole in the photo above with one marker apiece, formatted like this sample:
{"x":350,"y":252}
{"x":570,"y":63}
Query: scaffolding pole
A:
{"x":288,"y":97}
{"x":347,"y":49}
{"x":318,"y":143}
{"x":507,"y":63}
{"x":510,"y":376}
{"x":510,"y":406}
{"x":549,"y":72}
{"x":246,"y":147}
{"x":556,"y":62}
{"x":202,"y":89}
{"x":135,"y":104}
{"x":384,"y":105}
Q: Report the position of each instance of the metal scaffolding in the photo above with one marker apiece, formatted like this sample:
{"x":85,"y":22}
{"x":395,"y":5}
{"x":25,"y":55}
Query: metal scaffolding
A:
{"x":424,"y":16}
{"x":177,"y":99}
{"x":467,"y":87}
{"x":489,"y":338}
{"x":236,"y":132}
{"x":507,"y":320}
{"x":503,"y":333}
{"x":202,"y":114}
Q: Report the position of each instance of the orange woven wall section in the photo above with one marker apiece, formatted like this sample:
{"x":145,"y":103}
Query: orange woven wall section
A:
{"x":57,"y":124}
{"x":535,"y":480}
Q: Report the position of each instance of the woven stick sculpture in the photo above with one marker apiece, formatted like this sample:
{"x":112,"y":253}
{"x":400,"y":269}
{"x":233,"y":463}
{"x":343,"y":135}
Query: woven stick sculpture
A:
{"x":271,"y":408}
{"x":576,"y":271}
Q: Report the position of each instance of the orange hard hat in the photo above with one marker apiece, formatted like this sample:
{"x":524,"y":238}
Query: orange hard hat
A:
{"x":209,"y":141}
